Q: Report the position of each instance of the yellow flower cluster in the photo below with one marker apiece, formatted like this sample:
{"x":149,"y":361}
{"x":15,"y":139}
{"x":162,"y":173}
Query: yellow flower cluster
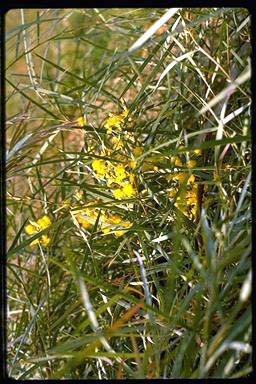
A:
{"x":115,"y":175}
{"x":117,"y":143}
{"x":99,"y":167}
{"x":36,"y":227}
{"x":120,"y":178}
{"x":87,"y":216}
{"x":125,"y":190}
{"x":181,"y":177}
{"x":119,"y":175}
{"x":115,"y":121}
{"x":186,"y":202}
{"x":197,"y":152}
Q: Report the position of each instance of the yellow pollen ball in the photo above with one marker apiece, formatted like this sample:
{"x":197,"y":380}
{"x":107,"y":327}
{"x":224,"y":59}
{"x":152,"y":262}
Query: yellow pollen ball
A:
{"x":191,"y":179}
{"x":35,"y":242}
{"x":30,"y":229}
{"x":44,"y":222}
{"x":128,"y":190}
{"x":85,"y":223}
{"x":119,"y":233}
{"x":80,"y":121}
{"x":197,"y":152}
{"x":132,"y":164}
{"x":45,"y":240}
{"x":178,"y":162}
{"x":118,"y":194}
{"x":131,"y":178}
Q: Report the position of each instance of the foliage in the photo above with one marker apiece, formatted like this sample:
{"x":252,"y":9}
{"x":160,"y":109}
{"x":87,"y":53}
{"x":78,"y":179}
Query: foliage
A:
{"x":128,"y":193}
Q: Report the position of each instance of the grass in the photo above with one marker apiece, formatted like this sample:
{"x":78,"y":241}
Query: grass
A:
{"x":129,"y":170}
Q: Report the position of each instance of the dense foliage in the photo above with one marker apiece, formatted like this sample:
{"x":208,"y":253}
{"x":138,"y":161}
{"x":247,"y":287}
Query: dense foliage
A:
{"x":128,"y":193}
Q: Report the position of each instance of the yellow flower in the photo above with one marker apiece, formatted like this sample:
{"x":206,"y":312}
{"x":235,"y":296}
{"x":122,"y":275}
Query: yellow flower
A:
{"x":114,"y":219}
{"x":172,"y":193}
{"x":180,"y":176}
{"x":30,"y":229}
{"x":118,"y":193}
{"x":191,"y":179}
{"x":191,"y":163}
{"x":178,"y":162}
{"x":113,"y":120}
{"x":132,"y":164}
{"x":91,"y":213}
{"x":105,"y":151}
{"x":106,"y":229}
{"x":83,"y":221}
{"x":80,"y":121}
{"x":120,"y":172}
{"x":128,"y":190}
{"x":44,"y":222}
{"x":35,"y":242}
{"x":39,"y":225}
{"x":125,"y":113}
{"x":191,"y":197}
{"x":97,"y":164}
{"x":117,"y":143}
{"x":119,"y":179}
{"x":197,"y":152}
{"x":127,"y":225}
{"x":187,"y":202}
{"x":131,"y":178}
{"x":99,"y":167}
{"x":119,"y":233}
{"x":45,"y":240}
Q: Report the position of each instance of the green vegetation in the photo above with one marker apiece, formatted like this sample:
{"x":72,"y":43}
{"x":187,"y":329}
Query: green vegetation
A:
{"x":128,"y":193}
